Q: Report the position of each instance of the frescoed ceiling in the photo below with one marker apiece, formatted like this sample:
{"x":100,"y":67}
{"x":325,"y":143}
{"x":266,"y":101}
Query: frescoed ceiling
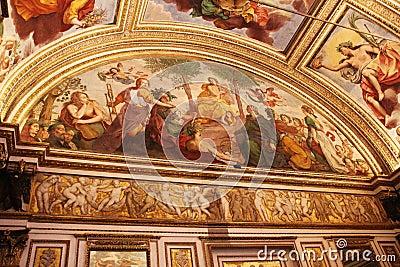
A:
{"x":275,"y":60}
{"x":261,"y":20}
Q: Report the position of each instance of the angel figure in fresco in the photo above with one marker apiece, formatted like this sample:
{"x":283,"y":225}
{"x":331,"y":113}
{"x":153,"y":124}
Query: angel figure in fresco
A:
{"x":218,"y":202}
{"x":92,"y":193}
{"x":370,"y":202}
{"x":259,"y":203}
{"x":187,"y":199}
{"x":166,"y":194}
{"x":47,"y":18}
{"x":72,"y":193}
{"x":304,"y":200}
{"x":119,"y":74}
{"x":358,"y":209}
{"x":281,"y":207}
{"x":42,"y":193}
{"x":86,"y":116}
{"x":245,"y":10}
{"x":317,"y":205}
{"x":200,"y":203}
{"x":369,"y":62}
{"x":334,"y":204}
{"x":267,"y":97}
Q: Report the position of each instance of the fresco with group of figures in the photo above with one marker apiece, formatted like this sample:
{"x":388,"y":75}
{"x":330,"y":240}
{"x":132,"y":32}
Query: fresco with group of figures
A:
{"x":362,"y":57}
{"x":26,"y":26}
{"x":273,"y":22}
{"x":192,"y":111}
{"x":364,"y":60}
{"x":67,"y":195}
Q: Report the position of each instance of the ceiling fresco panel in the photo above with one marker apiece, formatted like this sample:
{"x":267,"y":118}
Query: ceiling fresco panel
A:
{"x":363,"y":61}
{"x":272,"y":22}
{"x":30,"y":25}
{"x":192,"y":111}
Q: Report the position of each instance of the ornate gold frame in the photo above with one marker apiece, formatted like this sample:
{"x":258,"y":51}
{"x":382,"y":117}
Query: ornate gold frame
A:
{"x":34,"y":244}
{"x":117,"y":243}
{"x":191,"y":247}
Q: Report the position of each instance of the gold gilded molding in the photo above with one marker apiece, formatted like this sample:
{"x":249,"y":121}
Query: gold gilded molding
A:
{"x":388,"y":16}
{"x":231,"y":248}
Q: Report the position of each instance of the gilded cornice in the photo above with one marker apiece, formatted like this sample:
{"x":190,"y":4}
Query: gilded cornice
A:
{"x":107,"y":166}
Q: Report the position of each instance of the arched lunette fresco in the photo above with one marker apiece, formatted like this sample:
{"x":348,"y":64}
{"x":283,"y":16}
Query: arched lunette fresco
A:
{"x":191,"y":111}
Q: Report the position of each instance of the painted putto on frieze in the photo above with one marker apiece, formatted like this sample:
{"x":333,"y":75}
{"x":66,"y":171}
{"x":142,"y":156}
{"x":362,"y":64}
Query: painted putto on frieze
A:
{"x":65,"y":195}
{"x":191,"y":111}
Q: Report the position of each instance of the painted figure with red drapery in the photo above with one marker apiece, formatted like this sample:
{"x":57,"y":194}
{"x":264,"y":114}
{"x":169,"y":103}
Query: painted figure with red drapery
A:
{"x":377,"y":70}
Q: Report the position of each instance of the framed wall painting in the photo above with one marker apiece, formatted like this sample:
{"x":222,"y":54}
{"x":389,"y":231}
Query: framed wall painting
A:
{"x":110,"y":250}
{"x":132,"y":257}
{"x":48,"y":253}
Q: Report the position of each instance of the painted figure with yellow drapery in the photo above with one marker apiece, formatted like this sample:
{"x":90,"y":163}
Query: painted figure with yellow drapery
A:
{"x":47,"y":18}
{"x":214,"y":102}
{"x":71,"y":11}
